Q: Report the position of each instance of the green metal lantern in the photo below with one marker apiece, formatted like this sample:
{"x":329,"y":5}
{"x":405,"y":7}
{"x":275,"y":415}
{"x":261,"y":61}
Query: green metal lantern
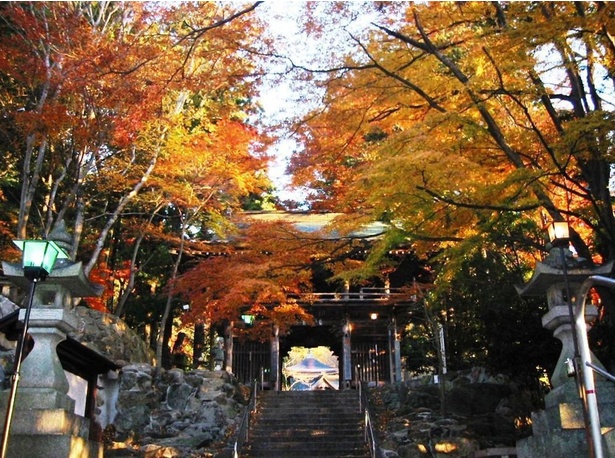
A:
{"x":39,"y":257}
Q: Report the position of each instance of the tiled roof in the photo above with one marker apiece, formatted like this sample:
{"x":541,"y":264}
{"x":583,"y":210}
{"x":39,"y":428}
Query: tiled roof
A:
{"x":314,"y":222}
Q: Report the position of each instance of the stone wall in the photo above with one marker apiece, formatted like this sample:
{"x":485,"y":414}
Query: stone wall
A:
{"x":481,"y":412}
{"x":184,"y":414}
{"x":176,"y":415}
{"x":111,"y":337}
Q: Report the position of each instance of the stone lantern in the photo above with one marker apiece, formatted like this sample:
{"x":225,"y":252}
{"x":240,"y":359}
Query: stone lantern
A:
{"x":45,"y":423}
{"x":561,"y":429}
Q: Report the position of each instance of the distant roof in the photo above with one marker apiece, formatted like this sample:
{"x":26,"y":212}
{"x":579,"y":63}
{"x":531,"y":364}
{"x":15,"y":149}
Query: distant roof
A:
{"x":311,"y":365}
{"x":314,"y":222}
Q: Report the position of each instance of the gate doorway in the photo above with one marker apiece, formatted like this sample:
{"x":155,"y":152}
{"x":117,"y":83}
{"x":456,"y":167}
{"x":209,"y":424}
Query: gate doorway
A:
{"x":308,"y":369}
{"x":371,"y":361}
{"x":362,"y":332}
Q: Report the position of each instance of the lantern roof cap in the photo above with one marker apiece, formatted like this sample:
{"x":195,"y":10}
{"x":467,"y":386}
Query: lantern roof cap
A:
{"x":70,"y":276}
{"x":60,"y":235}
{"x":546,"y":275}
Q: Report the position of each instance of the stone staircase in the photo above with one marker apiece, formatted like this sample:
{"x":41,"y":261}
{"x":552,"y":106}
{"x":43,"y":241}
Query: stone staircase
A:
{"x":303,"y":424}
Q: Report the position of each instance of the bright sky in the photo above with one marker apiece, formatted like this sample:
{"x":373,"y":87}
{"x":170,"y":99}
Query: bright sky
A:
{"x":280,"y":101}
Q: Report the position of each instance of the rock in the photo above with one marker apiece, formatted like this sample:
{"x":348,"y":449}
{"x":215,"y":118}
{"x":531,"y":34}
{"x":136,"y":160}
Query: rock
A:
{"x":155,"y":451}
{"x":178,"y":396}
{"x":388,"y":453}
{"x":504,"y":408}
{"x":145,"y":368}
{"x":410,"y":451}
{"x":111,"y":337}
{"x":175,"y":376}
{"x":128,"y":381}
{"x":400,"y":436}
{"x":183,"y":414}
{"x":476,"y":399}
{"x":479,"y":414}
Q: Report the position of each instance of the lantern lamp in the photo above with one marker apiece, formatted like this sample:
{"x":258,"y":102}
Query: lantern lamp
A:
{"x":559,"y":233}
{"x":248,"y":319}
{"x":39,"y":257}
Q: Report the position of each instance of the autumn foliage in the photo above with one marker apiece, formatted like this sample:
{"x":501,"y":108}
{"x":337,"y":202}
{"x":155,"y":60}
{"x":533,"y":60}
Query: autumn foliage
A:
{"x":462,"y":127}
{"x":448,"y":116}
{"x":264,"y":276}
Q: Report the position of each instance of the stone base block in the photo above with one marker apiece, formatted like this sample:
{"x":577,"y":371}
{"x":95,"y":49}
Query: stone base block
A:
{"x":43,"y":398}
{"x":36,"y":422}
{"x":562,"y":416}
{"x":52,"y":446}
{"x":39,"y":398}
{"x":559,"y":430}
{"x":558,"y":444}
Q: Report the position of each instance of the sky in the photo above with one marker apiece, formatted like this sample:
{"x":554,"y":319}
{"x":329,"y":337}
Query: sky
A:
{"x":280,"y":100}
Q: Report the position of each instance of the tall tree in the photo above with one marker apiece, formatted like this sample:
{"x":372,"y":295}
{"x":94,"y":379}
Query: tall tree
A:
{"x":89,"y":95}
{"x":134,"y":112}
{"x":448,"y":115}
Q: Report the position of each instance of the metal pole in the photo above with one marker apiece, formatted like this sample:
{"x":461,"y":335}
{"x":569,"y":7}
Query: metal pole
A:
{"x":391,"y":348}
{"x":576,"y":359}
{"x":588,"y":375}
{"x":16,"y":368}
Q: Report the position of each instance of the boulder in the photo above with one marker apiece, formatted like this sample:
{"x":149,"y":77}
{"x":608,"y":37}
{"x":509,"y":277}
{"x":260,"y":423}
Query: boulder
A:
{"x":181,"y":415}
{"x":111,"y":337}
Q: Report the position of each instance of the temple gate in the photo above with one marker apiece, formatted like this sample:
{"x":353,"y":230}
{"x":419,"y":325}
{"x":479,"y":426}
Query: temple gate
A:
{"x":361,"y":328}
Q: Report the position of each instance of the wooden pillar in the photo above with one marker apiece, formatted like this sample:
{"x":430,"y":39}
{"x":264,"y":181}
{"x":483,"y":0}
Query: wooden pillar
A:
{"x":275,"y":359}
{"x":228,"y":348}
{"x":347,"y":355}
{"x":394,"y":352}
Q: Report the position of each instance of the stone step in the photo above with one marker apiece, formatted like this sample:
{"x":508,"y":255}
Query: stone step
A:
{"x":307,"y":424}
{"x":354,"y":410}
{"x":312,"y":401}
{"x":327,"y":402}
{"x":273,"y":414}
{"x":304,"y":454}
{"x":325,"y":413}
{"x":291,"y":438}
{"x":300,"y":436}
{"x":299,"y":417}
{"x":309,"y":396}
{"x":312,"y":427}
{"x":302,"y":450}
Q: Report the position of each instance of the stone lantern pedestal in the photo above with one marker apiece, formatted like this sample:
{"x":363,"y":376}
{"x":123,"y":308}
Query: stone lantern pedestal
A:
{"x":44,"y":421}
{"x":560,"y":429}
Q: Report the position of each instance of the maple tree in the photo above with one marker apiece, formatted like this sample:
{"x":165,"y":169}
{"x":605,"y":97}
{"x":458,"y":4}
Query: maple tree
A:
{"x":447,"y":116}
{"x":263,"y":276}
{"x":466,"y":127}
{"x":104,"y":88}
{"x":138,"y":113}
